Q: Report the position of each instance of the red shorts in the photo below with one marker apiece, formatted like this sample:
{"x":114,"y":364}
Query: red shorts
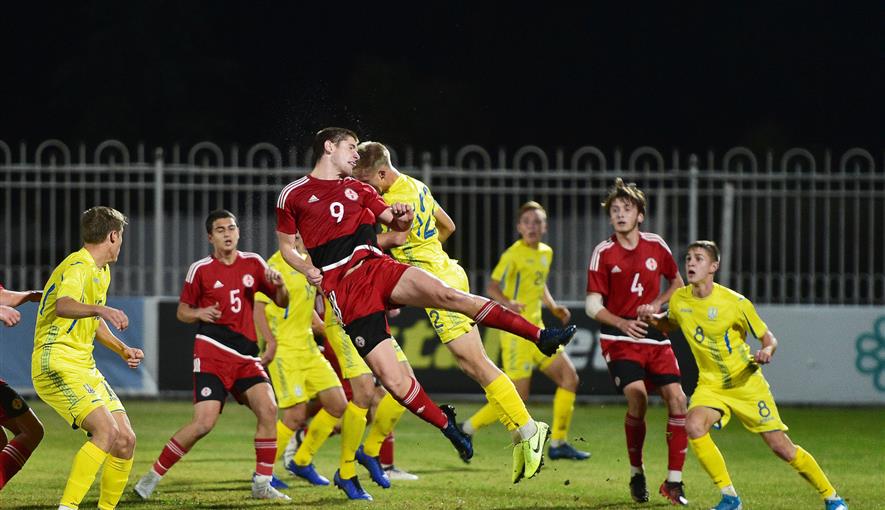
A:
{"x":232,"y":372}
{"x":366,"y":290}
{"x":632,"y":361}
{"x":12,"y":405}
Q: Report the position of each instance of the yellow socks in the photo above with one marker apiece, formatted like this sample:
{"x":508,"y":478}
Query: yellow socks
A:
{"x":808,"y":468}
{"x":563,"y":408}
{"x":284,"y":434}
{"x":711,"y":460}
{"x":486,"y":415}
{"x":319,"y":430}
{"x":386,"y":417}
{"x":353,"y":425}
{"x":86,"y":464}
{"x":113,"y":481}
{"x":502,"y":392}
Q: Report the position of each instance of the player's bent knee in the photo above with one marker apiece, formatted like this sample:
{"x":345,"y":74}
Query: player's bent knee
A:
{"x":695,"y":428}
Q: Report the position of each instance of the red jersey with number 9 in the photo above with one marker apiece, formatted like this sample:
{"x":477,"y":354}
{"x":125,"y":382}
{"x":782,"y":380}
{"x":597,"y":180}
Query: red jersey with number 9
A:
{"x":233,"y":287}
{"x":630,"y":278}
{"x":336,"y":220}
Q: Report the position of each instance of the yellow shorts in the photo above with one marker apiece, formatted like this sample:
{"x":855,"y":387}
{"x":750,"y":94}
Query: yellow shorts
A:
{"x":74,"y":391}
{"x":519,"y":357}
{"x":449,"y":325}
{"x":752,"y":403}
{"x":351,"y":363}
{"x":298,"y":377}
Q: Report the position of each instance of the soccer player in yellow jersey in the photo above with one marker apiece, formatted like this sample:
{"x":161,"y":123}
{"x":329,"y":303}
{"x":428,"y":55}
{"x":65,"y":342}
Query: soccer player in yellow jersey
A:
{"x":519,"y":282}
{"x":72,"y":314}
{"x":422,"y":247}
{"x":716,"y":321}
{"x":299,"y":372}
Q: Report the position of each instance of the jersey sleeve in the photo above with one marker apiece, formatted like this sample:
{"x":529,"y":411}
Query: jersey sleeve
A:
{"x":503,"y":267}
{"x":597,"y":276}
{"x":371,"y":200}
{"x":264,"y":285}
{"x":287,"y":217}
{"x":669,"y":268}
{"x":750,"y":318}
{"x":73,"y":281}
{"x":191,"y":291}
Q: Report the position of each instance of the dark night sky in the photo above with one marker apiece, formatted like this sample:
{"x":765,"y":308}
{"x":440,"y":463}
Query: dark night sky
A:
{"x":693,"y":75}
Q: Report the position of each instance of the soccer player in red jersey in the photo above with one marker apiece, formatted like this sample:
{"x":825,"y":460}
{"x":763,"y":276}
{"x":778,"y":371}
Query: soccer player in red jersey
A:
{"x":218,"y":295}
{"x":336,"y":216}
{"x":625,"y":272}
{"x":15,"y":415}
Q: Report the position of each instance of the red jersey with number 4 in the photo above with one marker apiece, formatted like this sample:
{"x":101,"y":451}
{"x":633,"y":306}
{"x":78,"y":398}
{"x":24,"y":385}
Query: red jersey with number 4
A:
{"x":630,"y":278}
{"x":233,"y":287}
{"x":336,"y":219}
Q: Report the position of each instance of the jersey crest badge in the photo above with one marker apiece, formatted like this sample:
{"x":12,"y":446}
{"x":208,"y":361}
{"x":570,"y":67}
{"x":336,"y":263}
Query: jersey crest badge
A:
{"x":248,"y":281}
{"x":543,"y":260}
{"x":651,"y":264}
{"x":218,"y":284}
{"x":351,"y":194}
{"x":712,"y":312}
{"x":312,"y":199}
{"x":616,"y":269}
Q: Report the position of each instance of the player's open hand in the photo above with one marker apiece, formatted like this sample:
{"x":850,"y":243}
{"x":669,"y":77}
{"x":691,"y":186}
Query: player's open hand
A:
{"x":9,"y":316}
{"x":210,"y":313}
{"x":562,"y":313}
{"x":114,"y":317}
{"x":314,"y":277}
{"x":133,"y":356}
{"x":274,"y":276}
{"x":635,"y":329}
{"x":516,"y":306}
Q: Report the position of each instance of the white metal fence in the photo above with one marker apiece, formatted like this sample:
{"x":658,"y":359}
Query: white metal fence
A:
{"x":795,"y":227}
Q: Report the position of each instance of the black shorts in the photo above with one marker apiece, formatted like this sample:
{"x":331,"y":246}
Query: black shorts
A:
{"x":625,"y":371}
{"x":209,"y":386}
{"x":367,"y":332}
{"x":12,"y":405}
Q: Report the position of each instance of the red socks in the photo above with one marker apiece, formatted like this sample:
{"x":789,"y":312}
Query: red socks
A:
{"x":493,"y":315}
{"x":386,"y":455}
{"x":265,"y":456}
{"x":635,"y":431}
{"x":419,"y":404}
{"x":172,"y":453}
{"x":677,"y":442}
{"x":12,"y":458}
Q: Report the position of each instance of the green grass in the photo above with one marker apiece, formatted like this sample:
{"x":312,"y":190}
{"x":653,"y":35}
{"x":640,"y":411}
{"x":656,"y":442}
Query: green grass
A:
{"x":848,"y":443}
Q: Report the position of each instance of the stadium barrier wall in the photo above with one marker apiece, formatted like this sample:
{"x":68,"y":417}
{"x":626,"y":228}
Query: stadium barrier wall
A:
{"x":17,"y":344}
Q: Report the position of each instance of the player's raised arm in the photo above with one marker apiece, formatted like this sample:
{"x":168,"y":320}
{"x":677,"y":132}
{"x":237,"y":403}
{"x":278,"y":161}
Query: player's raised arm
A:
{"x":398,"y":217}
{"x":69,"y":308}
{"x":303,"y":266}
{"x":445,"y":226}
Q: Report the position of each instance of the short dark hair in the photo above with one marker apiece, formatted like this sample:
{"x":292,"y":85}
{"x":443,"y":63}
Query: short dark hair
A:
{"x":329,"y":134}
{"x":629,"y":192}
{"x":708,"y":246}
{"x":218,"y":214}
{"x":97,"y":222}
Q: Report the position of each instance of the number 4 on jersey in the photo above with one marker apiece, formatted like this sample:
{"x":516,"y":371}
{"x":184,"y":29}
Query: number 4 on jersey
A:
{"x":636,"y":286}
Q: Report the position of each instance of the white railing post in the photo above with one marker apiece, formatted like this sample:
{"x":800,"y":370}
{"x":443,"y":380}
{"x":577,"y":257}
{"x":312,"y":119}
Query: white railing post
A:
{"x":692,"y":198}
{"x":159,"y":235}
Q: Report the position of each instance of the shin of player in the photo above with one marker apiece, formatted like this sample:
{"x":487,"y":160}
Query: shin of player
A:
{"x":625,"y":273}
{"x":72,"y":314}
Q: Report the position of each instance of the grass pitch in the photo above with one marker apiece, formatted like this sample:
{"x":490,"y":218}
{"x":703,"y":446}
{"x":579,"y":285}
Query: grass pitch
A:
{"x":848,"y":443}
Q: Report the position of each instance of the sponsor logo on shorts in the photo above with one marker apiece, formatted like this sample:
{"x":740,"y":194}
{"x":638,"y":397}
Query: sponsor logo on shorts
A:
{"x":88,"y":388}
{"x":359,"y":341}
{"x":299,"y":391}
{"x":248,"y":281}
{"x":17,"y":404}
{"x":206,"y":391}
{"x":351,"y":194}
{"x":651,"y":264}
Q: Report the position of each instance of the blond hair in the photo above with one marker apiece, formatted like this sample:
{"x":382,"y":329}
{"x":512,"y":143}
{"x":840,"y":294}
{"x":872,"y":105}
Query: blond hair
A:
{"x":531,"y":205}
{"x":373,"y":155}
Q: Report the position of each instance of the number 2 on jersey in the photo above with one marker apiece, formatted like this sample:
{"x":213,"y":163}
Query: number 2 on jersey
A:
{"x":636,"y":286}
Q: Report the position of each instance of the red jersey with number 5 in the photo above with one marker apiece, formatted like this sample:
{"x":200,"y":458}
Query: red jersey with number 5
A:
{"x":336,"y":220}
{"x":233,"y":287}
{"x":630,"y":278}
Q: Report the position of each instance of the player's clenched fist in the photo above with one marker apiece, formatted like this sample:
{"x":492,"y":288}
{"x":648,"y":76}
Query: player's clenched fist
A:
{"x":274,"y":276}
{"x":133,"y":356}
{"x":114,"y":317}
{"x":210,"y":313}
{"x":9,"y":316}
